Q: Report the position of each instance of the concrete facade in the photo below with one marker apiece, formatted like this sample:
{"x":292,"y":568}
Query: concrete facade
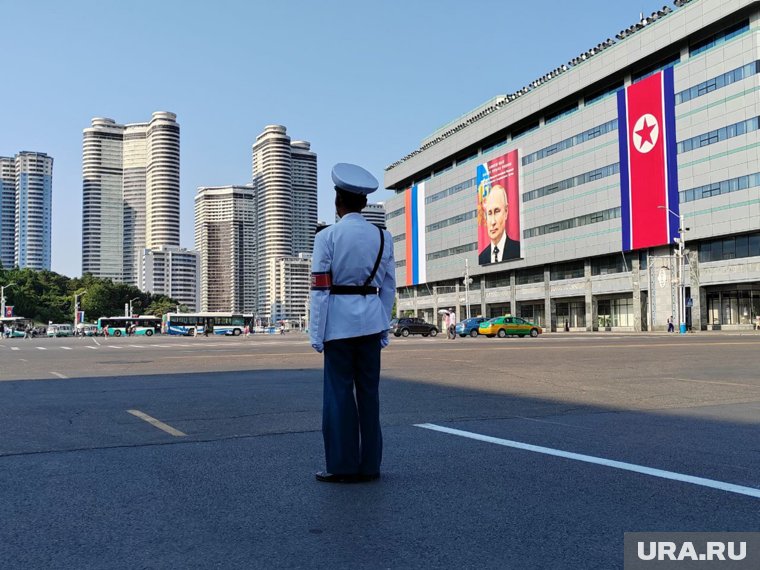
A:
{"x":573,"y":274}
{"x":225,"y":237}
{"x":171,"y":271}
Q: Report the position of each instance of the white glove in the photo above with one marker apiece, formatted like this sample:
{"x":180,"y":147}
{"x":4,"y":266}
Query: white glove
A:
{"x":384,"y":339}
{"x":318,"y":347}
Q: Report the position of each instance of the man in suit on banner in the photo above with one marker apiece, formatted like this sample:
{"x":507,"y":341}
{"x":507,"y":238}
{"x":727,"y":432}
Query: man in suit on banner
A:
{"x":496,"y":213}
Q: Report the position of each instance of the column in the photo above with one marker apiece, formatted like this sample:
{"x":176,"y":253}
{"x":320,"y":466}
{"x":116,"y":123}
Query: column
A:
{"x":550,"y":309}
{"x":636,"y":285}
{"x":589,"y":294}
{"x":483,"y":296}
{"x":513,"y":293}
{"x":414,"y":303}
{"x":437,"y":319}
{"x":698,"y":295}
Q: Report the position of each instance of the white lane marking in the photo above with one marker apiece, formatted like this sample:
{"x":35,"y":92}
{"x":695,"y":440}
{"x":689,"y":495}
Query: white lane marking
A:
{"x":65,"y":348}
{"x":23,"y":360}
{"x":58,"y":374}
{"x":92,"y":347}
{"x":114,"y":346}
{"x":720,"y":485}
{"x":14,"y":348}
{"x":157,"y":423}
{"x":41,"y":348}
{"x":135,"y":346}
{"x":95,"y":341}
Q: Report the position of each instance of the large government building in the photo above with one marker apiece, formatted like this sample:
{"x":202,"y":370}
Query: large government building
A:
{"x":618,"y":191}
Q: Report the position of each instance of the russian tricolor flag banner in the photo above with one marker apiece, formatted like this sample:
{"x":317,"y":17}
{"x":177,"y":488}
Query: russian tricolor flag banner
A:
{"x":416,"y":253}
{"x":648,"y":168}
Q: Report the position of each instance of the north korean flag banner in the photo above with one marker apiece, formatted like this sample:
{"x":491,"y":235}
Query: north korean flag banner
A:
{"x":648,"y":168}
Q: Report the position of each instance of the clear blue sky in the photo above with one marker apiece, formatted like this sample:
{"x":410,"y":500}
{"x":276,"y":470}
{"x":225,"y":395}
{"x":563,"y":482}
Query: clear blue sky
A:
{"x":364,"y":82}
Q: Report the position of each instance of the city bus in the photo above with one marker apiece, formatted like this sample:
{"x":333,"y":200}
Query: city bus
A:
{"x":147,"y":325}
{"x":15,"y":326}
{"x":188,"y":324}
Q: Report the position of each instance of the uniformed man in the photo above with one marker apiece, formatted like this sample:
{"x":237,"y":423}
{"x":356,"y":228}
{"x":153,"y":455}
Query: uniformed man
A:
{"x":353,"y":286}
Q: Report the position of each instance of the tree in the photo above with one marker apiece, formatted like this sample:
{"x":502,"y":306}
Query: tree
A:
{"x":48,"y":296}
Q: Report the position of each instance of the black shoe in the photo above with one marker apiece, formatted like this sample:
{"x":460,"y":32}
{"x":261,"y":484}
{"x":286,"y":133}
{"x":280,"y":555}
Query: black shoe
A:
{"x":367,"y":477}
{"x":326,"y":477}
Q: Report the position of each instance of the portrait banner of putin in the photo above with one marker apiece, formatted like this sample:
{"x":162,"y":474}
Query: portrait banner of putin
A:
{"x":498,"y":183}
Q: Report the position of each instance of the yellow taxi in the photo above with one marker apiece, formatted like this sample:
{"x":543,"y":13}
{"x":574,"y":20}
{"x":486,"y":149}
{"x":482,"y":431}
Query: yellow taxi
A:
{"x":506,"y":326}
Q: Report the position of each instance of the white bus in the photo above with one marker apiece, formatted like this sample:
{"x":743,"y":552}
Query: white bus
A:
{"x":189,"y":324}
{"x":15,"y":326}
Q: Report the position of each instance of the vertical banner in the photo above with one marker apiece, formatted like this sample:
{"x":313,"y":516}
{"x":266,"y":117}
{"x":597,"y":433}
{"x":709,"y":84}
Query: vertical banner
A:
{"x":498,"y":183}
{"x":648,"y":168}
{"x":416,"y":252}
{"x":8,"y":311}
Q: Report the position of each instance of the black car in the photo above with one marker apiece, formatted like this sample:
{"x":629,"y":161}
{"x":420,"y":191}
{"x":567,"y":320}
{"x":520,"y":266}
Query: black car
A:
{"x":412,"y":325}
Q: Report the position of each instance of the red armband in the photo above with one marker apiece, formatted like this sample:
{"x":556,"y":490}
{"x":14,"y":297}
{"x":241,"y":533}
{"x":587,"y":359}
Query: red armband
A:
{"x":321,"y":281}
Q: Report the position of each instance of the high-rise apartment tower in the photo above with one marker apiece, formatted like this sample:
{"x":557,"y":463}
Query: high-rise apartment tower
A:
{"x":26,"y":207}
{"x":130,"y":193}
{"x":285,"y":179}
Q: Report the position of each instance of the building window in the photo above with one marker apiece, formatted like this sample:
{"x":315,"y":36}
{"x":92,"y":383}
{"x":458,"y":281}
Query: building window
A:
{"x":570,"y":270}
{"x":528,"y":276}
{"x":572,"y":314}
{"x":735,"y":247}
{"x":720,"y":38}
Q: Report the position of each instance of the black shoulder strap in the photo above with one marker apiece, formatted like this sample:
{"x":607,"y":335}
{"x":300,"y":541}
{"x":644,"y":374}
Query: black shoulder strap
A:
{"x":379,"y":257}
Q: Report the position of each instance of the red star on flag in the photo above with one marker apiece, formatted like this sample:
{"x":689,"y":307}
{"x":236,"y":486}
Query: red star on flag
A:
{"x":646,"y":133}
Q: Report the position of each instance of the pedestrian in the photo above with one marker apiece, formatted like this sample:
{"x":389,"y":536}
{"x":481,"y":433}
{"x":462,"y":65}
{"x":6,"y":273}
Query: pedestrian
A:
{"x":567,"y":326}
{"x":757,"y":323}
{"x":247,"y":330}
{"x":2,"y":329}
{"x":353,"y":287}
{"x":671,"y":328}
{"x":28,"y":331}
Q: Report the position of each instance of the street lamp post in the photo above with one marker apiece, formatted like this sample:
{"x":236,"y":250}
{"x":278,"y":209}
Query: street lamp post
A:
{"x":681,"y":241}
{"x":130,"y":305}
{"x":2,"y":299}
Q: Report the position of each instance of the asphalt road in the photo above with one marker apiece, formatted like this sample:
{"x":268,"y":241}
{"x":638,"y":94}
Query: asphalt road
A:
{"x":226,"y":480}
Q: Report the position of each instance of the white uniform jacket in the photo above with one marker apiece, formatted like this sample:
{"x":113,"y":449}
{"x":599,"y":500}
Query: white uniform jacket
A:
{"x":344,"y":254}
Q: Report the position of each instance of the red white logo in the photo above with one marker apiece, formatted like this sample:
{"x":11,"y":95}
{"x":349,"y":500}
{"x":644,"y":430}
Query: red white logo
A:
{"x":646,"y":131}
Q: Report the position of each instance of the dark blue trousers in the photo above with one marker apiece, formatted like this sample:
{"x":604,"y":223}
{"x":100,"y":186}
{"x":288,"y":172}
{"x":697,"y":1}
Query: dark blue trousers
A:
{"x":351,"y":407}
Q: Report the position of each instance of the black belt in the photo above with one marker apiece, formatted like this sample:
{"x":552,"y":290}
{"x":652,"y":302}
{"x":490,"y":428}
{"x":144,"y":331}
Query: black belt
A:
{"x":352,"y":290}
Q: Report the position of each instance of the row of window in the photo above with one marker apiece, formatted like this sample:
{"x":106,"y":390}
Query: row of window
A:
{"x":452,"y":251}
{"x":730,"y":248}
{"x":718,"y":82}
{"x":724,"y":133}
{"x":585,"y":136}
{"x":576,"y":222}
{"x":720,"y":38}
{"x":568,"y":183}
{"x":556,"y":115}
{"x":451,"y":221}
{"x":722,"y":187}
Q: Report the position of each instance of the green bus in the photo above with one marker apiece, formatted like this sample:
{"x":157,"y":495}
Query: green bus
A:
{"x":146,"y":325}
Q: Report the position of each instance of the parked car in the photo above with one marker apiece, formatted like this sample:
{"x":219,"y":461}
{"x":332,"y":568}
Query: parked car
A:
{"x":507,"y":326}
{"x":469,"y":326}
{"x":412,"y":325}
